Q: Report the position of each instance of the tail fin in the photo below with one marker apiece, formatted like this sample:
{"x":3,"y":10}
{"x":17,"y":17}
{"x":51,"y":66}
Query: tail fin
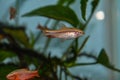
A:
{"x":42,"y":28}
{"x":37,"y":74}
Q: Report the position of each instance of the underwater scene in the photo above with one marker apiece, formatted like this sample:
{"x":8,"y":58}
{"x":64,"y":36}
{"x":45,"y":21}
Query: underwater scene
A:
{"x":59,"y":40}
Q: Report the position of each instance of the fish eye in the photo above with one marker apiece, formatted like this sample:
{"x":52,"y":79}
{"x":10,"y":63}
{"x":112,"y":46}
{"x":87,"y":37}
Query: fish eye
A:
{"x":80,"y":32}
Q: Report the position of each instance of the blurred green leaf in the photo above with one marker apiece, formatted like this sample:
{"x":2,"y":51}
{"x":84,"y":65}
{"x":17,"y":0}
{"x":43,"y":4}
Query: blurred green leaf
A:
{"x":32,"y":39}
{"x":83,"y":8}
{"x":6,"y":69}
{"x":103,"y":58}
{"x":4,"y":54}
{"x":94,"y":5}
{"x":30,"y":60}
{"x":56,"y":12}
{"x":18,"y":34}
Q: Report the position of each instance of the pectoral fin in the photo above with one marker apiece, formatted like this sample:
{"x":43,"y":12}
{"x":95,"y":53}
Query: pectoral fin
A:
{"x":50,"y":36}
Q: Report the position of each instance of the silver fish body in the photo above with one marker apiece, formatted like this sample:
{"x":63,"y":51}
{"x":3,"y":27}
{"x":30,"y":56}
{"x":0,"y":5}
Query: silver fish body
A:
{"x":64,"y":32}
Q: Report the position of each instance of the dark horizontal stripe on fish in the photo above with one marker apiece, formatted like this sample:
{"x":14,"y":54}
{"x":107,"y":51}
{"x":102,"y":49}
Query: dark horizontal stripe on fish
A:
{"x":59,"y":31}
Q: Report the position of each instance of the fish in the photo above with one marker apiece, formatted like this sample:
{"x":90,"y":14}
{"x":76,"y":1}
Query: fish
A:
{"x":64,"y":32}
{"x":12,"y":13}
{"x":22,"y":74}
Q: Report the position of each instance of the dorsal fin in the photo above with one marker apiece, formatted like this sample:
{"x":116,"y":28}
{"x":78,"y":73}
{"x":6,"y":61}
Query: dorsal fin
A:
{"x":63,"y":27}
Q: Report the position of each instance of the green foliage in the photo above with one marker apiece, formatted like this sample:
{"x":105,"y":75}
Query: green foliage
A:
{"x":83,"y":44}
{"x":18,"y":34}
{"x":56,"y":12}
{"x":103,"y":58}
{"x":6,"y":69}
{"x":83,"y":8}
{"x":47,"y":65}
{"x":5,"y":54}
{"x":32,"y":39}
{"x":94,"y":5}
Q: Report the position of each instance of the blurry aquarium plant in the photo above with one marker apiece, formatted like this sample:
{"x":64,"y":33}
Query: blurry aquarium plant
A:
{"x":15,"y":42}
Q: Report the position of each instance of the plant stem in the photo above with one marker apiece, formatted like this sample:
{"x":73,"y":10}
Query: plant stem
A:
{"x":65,"y":76}
{"x":83,"y":44}
{"x":84,"y":64}
{"x":49,"y":39}
{"x":17,"y":13}
{"x":71,"y":75}
{"x":87,"y":22}
{"x":67,"y":51}
{"x":60,"y":74}
{"x":76,"y":45}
